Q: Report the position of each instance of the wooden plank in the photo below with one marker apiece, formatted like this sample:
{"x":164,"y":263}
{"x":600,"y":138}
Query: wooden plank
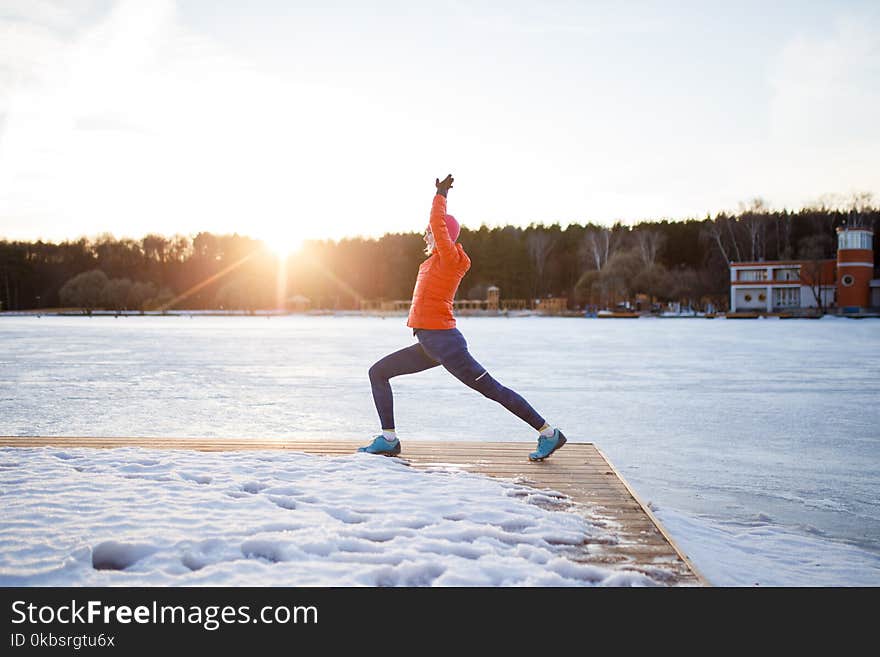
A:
{"x":658,"y":525}
{"x":417,"y":448}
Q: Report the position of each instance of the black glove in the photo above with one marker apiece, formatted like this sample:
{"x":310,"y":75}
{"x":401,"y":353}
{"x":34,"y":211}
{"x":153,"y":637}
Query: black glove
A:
{"x":443,"y":186}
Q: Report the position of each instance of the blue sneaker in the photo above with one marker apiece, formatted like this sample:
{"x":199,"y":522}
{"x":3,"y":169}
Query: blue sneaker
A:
{"x":382,"y":446}
{"x":546,"y":446}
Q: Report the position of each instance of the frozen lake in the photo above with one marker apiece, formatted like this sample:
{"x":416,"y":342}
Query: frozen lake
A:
{"x":757,"y":434}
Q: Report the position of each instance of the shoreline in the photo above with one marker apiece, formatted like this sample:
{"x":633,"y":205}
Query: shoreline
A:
{"x":56,"y":312}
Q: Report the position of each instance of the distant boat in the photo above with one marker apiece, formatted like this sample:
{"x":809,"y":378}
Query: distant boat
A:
{"x":616,"y":314}
{"x":671,"y":315}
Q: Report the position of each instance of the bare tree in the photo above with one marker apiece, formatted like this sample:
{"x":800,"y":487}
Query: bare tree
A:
{"x":599,"y":244}
{"x":84,"y":290}
{"x":139,"y":294}
{"x":712,"y":231}
{"x":649,"y":242}
{"x":860,"y":204}
{"x":814,"y":249}
{"x":725,"y":221}
{"x":684,"y":286}
{"x":593,"y":245}
{"x":587,"y":289}
{"x":114,"y":295}
{"x":618,"y":278}
{"x":783,"y":223}
{"x":655,"y":281}
{"x":540,"y":243}
{"x":752,"y":218}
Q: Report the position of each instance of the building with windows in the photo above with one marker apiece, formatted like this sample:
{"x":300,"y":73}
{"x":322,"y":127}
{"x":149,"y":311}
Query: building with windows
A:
{"x":776,"y":286}
{"x":551,"y":305}
{"x":844,"y":283}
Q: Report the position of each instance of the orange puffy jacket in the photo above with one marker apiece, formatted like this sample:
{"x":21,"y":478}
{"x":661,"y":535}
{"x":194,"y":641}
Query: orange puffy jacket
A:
{"x":439,"y":276}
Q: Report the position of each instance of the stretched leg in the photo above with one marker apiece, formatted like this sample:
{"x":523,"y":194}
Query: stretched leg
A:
{"x":450,"y":348}
{"x":405,"y":361}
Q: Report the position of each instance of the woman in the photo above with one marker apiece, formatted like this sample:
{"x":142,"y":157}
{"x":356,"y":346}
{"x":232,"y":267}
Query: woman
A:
{"x":440,"y":343}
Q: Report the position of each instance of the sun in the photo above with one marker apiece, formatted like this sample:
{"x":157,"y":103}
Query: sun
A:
{"x":284,"y":244}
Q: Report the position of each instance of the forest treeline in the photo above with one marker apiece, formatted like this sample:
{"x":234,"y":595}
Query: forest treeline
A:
{"x":683,"y":261}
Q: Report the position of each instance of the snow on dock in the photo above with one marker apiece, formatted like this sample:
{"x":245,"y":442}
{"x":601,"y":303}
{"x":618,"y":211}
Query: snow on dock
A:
{"x":578,"y":477}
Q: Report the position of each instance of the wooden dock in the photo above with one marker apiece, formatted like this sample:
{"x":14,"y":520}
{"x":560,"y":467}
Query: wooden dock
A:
{"x":580,"y":471}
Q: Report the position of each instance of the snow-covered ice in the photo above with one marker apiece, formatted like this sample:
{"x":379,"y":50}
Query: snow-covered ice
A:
{"x":144,"y":517}
{"x":716,"y":423}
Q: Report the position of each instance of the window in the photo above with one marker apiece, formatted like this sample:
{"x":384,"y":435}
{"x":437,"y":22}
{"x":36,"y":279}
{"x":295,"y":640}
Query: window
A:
{"x":791,"y":274}
{"x":854,"y":239}
{"x":787,"y":297}
{"x":752,"y":275}
{"x":847,"y":280}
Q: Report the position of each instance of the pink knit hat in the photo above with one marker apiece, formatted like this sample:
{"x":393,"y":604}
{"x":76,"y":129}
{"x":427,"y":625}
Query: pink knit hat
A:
{"x":453,"y":227}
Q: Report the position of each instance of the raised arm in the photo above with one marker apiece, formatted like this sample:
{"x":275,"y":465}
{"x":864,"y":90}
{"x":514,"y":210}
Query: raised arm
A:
{"x":445,"y":246}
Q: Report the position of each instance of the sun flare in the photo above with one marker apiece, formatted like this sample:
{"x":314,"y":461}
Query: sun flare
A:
{"x":283,"y":244}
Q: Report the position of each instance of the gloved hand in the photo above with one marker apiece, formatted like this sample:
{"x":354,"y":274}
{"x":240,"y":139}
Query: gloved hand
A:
{"x":443,"y":186}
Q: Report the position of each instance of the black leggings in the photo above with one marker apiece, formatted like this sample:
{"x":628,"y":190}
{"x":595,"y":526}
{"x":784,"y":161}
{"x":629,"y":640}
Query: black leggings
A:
{"x":448,"y":348}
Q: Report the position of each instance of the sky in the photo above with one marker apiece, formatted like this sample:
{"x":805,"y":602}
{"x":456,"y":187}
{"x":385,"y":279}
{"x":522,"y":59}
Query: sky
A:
{"x":288,"y":121}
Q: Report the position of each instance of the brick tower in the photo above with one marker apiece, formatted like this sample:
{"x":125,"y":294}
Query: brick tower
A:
{"x":855,"y":266}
